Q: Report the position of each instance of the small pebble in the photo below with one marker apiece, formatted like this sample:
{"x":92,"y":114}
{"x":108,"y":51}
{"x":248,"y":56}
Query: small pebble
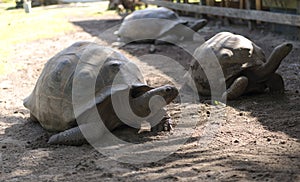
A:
{"x":297,"y":91}
{"x":7,"y":170}
{"x":268,"y":139}
{"x":152,"y":48}
{"x":235,"y":141}
{"x":241,"y":114}
{"x":3,"y":146}
{"x":208,"y":113}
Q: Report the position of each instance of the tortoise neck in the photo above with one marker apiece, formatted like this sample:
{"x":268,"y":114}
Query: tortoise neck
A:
{"x":274,"y":60}
{"x":150,"y":101}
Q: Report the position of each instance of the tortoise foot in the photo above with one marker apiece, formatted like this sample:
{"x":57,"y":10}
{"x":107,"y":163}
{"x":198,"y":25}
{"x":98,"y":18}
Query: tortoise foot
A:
{"x":71,"y":136}
{"x":164,"y":125}
{"x":237,"y":88}
{"x":275,"y":84}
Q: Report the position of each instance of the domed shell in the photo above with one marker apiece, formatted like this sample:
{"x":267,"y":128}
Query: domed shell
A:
{"x":230,"y":52}
{"x":83,"y":64}
{"x":136,"y":26}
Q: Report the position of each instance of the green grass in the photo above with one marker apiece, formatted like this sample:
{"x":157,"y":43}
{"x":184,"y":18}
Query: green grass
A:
{"x":8,"y":1}
{"x":16,"y":26}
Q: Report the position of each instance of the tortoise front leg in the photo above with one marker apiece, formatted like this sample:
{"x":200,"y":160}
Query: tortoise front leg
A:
{"x":74,"y":136}
{"x":236,"y":89}
{"x":71,"y":136}
{"x":160,"y":121}
{"x":164,"y":125}
{"x":275,"y":84}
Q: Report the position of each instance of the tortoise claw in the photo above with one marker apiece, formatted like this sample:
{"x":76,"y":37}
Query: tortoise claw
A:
{"x":164,"y":125}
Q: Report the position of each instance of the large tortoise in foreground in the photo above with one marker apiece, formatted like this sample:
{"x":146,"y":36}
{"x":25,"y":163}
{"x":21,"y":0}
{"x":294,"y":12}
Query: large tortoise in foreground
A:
{"x":157,"y":24}
{"x":245,"y":66}
{"x":84,"y":65}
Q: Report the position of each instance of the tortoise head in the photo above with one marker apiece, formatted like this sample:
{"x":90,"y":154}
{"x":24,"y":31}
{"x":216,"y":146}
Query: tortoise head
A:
{"x":197,"y":25}
{"x":133,"y":103}
{"x":149,"y":100}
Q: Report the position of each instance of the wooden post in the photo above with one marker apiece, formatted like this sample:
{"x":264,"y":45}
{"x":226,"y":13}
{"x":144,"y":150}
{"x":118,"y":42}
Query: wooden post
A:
{"x":258,"y":4}
{"x":248,"y":7}
{"x":226,"y":3}
{"x":298,"y":12}
{"x":298,"y":6}
{"x":186,"y":12}
{"x":225,"y":19}
{"x":241,"y":4}
{"x":210,"y":2}
{"x":258,"y":7}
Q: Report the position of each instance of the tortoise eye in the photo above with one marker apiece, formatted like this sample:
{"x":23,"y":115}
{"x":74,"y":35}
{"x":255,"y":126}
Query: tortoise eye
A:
{"x":168,"y":89}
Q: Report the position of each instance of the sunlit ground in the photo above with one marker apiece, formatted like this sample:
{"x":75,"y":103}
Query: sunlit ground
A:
{"x":16,"y":26}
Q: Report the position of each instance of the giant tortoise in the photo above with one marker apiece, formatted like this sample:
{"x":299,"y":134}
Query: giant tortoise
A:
{"x":157,"y":24}
{"x":52,"y":101}
{"x":244,"y":64}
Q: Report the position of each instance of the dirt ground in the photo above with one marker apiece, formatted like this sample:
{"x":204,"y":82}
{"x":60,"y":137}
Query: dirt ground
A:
{"x":256,"y":138}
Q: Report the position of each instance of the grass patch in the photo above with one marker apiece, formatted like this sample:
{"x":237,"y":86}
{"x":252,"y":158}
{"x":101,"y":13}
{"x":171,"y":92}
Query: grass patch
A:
{"x":8,"y":1}
{"x":16,"y":26}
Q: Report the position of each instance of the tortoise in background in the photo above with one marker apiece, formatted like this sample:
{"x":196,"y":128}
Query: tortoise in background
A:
{"x":157,"y":24}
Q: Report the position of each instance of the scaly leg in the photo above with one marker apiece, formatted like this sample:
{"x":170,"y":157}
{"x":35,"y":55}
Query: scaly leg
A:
{"x":71,"y":136}
{"x":236,"y":89}
{"x":164,"y":125}
{"x":160,"y":121}
{"x":275,"y":84}
{"x":74,"y":136}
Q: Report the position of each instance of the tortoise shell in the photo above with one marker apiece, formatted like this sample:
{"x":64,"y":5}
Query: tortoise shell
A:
{"x":51,"y":102}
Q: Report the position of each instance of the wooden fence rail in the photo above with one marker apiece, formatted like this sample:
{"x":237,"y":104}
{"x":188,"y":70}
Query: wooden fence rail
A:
{"x":280,"y":18}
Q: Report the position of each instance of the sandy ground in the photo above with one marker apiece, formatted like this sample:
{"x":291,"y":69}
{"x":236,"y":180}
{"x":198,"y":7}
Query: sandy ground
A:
{"x":254,"y":138}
